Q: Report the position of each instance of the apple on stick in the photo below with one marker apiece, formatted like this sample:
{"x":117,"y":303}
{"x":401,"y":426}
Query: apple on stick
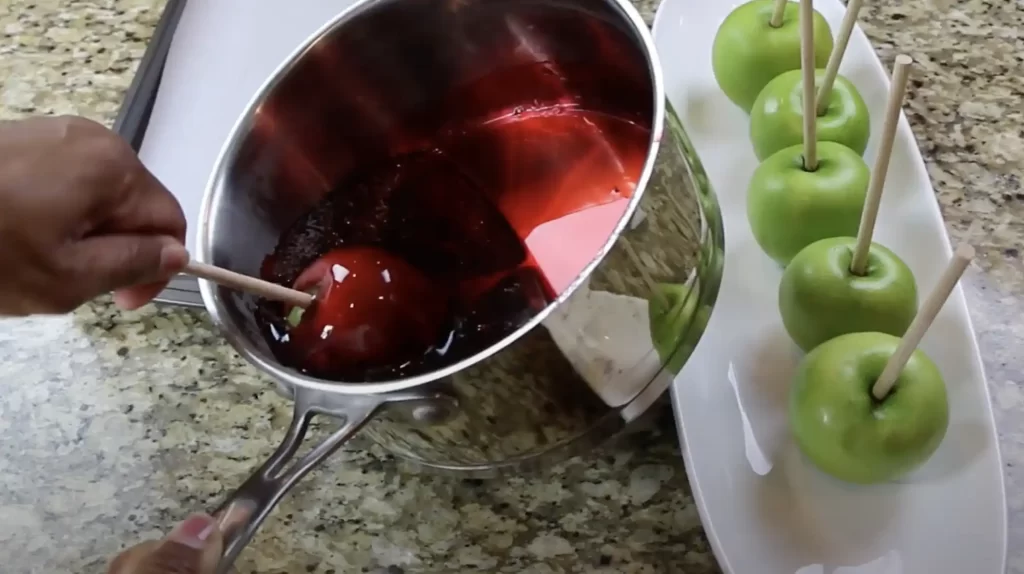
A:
{"x":758,"y":41}
{"x":845,"y":285}
{"x":823,"y":101}
{"x":804,"y":193}
{"x":871,"y":407}
{"x":843,"y":117}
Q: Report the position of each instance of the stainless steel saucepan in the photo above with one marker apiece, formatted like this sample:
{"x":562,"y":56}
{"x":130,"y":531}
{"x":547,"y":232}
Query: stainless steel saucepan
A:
{"x":577,"y":373}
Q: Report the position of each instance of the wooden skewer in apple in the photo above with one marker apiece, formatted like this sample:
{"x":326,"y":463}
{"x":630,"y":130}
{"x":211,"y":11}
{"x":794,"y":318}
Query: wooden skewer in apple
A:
{"x":793,"y":198}
{"x":843,"y":116}
{"x":922,"y":321}
{"x":849,"y":284}
{"x":256,"y":286}
{"x":894,"y":105}
{"x":836,"y":58}
{"x":807,"y":71}
{"x":758,"y":41}
{"x":844,"y":414}
{"x":778,"y":12}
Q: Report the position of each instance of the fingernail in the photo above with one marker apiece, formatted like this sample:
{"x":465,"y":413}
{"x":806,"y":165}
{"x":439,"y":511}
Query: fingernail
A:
{"x":195,"y":531}
{"x":235,"y":515}
{"x":173,"y":257}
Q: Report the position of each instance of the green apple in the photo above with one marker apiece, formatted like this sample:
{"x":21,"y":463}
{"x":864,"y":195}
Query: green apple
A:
{"x":820,"y":298}
{"x":776,"y":120}
{"x":677,"y":323}
{"x":845,"y":431}
{"x":789,"y":207}
{"x":295,"y":316}
{"x":748,"y":51}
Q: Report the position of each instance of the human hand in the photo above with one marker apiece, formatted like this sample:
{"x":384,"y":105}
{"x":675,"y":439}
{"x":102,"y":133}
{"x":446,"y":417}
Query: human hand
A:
{"x":193,"y":547}
{"x":81,"y":216}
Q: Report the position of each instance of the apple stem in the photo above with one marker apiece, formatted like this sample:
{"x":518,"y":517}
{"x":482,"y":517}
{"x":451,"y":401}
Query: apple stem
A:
{"x":836,"y":57}
{"x":897,"y":91}
{"x":778,"y":13}
{"x":922,"y":321}
{"x":807,"y":66}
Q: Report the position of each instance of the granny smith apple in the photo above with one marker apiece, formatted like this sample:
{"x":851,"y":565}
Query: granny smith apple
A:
{"x":776,"y":120}
{"x":676,"y":322}
{"x":820,"y":298}
{"x":789,"y":207}
{"x":845,"y":431}
{"x":295,"y":316}
{"x":748,"y":51}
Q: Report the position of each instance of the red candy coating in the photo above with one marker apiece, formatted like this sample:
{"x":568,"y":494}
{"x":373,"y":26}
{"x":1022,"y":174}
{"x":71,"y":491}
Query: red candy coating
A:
{"x":371,"y":307}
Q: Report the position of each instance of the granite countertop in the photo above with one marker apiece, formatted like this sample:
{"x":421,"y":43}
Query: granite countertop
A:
{"x":115,"y":425}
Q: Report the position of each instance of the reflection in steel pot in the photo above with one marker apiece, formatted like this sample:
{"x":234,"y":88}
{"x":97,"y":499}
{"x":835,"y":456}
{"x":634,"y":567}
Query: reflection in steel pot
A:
{"x":392,"y":77}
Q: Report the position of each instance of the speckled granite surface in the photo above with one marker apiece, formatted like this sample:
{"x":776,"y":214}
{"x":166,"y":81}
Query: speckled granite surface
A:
{"x":113,"y":426}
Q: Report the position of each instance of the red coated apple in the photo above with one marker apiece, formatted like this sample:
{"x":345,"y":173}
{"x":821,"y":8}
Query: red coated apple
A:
{"x":371,"y":308}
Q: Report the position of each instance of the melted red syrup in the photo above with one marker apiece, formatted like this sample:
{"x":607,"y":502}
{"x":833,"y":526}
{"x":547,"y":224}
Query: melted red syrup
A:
{"x":432,"y":256}
{"x":380,"y":306}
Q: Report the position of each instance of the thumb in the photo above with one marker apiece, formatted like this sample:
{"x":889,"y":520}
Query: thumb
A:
{"x":105,"y":263}
{"x":193,"y":547}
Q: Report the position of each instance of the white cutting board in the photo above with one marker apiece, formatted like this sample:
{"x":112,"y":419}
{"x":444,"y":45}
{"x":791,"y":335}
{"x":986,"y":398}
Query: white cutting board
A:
{"x":222,"y":52}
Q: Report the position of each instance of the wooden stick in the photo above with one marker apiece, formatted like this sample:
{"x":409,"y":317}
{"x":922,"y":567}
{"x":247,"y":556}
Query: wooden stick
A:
{"x":264,"y":289}
{"x":778,"y":13}
{"x":807,"y":66}
{"x":897,"y":91}
{"x":836,"y":57}
{"x":924,"y":318}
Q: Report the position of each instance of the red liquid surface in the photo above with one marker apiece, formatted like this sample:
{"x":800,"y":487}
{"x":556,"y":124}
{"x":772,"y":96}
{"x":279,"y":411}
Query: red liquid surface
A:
{"x":429,"y":257}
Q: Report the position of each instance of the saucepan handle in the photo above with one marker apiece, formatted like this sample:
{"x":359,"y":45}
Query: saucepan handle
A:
{"x":242,"y":513}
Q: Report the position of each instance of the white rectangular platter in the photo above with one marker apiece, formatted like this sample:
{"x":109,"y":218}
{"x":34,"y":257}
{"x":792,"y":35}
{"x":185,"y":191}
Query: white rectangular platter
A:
{"x":766,"y":509}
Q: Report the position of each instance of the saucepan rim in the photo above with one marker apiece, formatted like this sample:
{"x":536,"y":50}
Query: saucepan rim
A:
{"x":215,"y":301}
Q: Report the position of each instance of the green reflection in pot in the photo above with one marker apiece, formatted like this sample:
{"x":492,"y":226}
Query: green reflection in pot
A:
{"x":676,"y":321}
